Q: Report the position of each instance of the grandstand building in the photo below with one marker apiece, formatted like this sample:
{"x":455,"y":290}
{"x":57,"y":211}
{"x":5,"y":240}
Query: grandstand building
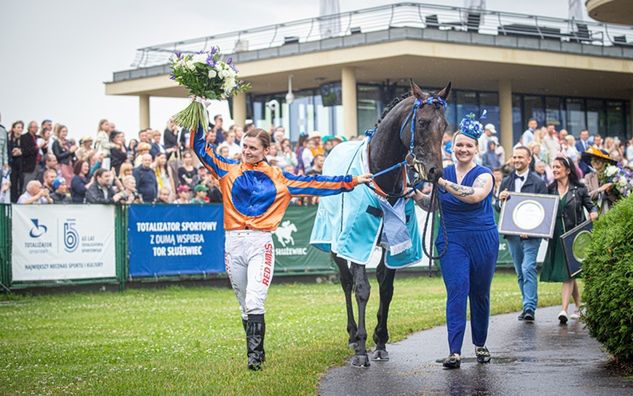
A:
{"x":344,"y":69}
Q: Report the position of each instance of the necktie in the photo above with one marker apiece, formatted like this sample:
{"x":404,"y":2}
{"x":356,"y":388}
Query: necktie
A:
{"x":521,"y":178}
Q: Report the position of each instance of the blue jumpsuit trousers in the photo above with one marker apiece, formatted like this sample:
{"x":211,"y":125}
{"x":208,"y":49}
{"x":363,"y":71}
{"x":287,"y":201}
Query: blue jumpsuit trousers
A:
{"x":467,"y":269}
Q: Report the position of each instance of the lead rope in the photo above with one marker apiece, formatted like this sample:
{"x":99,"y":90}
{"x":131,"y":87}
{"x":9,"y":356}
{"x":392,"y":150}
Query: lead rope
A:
{"x":430,"y":213}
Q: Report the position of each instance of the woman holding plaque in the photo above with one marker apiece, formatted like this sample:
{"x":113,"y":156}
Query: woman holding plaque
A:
{"x":573,"y":199}
{"x":473,"y":242}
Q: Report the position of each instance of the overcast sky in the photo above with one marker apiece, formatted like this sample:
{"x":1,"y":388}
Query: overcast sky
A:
{"x":56,"y":54}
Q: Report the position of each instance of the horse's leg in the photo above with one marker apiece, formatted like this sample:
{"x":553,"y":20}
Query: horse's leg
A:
{"x":347,"y":282}
{"x":385,"y":278}
{"x":361,"y":290}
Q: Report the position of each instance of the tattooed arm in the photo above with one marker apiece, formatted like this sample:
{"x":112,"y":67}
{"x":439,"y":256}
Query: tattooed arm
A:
{"x":424,"y":201}
{"x":480,"y":189}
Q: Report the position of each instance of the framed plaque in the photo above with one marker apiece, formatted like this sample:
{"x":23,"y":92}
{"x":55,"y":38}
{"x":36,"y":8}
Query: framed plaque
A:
{"x":533,"y":215}
{"x":575,"y":244}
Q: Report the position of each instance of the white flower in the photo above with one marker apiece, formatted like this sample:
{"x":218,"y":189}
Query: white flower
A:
{"x":611,"y":170}
{"x":200,"y":58}
{"x":189,"y":64}
{"x":212,"y":73}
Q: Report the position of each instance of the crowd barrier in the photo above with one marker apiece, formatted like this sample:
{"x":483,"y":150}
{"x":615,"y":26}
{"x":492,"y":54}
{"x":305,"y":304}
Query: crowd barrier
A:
{"x":47,"y":245}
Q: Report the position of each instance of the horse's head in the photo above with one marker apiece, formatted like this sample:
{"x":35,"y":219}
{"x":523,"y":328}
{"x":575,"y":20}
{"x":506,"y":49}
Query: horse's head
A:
{"x":430,"y":124}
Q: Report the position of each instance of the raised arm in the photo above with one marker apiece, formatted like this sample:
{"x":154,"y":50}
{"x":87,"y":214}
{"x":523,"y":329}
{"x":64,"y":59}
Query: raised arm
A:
{"x":216,"y":164}
{"x":480,"y":189}
{"x":321,"y":185}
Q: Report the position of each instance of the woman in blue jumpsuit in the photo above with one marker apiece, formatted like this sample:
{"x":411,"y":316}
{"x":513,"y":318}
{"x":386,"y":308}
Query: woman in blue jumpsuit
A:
{"x":465,"y":196}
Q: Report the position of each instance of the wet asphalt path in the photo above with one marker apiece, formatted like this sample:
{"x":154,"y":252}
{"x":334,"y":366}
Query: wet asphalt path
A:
{"x":543,"y":358}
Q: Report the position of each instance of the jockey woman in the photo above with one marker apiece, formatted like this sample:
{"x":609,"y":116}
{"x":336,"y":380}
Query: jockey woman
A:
{"x":255,"y":196}
{"x":473,"y":242}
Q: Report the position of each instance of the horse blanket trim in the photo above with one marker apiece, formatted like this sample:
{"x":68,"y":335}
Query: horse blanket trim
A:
{"x":342,"y":224}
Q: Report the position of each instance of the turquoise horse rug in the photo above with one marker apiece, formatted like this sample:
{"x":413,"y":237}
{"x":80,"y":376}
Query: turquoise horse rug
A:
{"x":351,"y":224}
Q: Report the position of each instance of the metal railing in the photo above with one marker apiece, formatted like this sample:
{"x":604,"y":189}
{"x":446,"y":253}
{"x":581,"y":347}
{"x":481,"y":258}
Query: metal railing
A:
{"x":417,"y":15}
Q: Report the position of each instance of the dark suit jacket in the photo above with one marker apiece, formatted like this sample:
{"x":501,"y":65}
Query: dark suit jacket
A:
{"x":533,"y":184}
{"x":577,"y":199}
{"x":95,"y":195}
{"x":581,"y":164}
{"x":29,"y":152}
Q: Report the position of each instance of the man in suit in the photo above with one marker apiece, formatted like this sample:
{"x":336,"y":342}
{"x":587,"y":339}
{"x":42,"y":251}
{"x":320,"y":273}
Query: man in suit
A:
{"x":583,"y":145}
{"x":523,"y":249}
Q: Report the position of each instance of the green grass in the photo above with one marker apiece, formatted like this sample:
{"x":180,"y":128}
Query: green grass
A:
{"x":191,"y":341}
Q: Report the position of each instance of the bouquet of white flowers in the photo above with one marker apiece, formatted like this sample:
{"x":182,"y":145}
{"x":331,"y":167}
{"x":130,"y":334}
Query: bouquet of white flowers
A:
{"x":207,"y":76}
{"x":622,"y":179}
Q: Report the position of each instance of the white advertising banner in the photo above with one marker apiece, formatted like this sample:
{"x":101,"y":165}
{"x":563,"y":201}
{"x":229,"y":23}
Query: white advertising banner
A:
{"x":58,"y":242}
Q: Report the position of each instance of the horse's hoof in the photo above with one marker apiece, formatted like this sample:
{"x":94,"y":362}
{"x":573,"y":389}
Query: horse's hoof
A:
{"x":380,"y":355}
{"x":360,"y":361}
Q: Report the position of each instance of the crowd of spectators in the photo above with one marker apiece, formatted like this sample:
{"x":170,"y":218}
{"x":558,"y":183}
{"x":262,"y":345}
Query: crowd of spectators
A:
{"x":545,"y":143}
{"x":41,"y":164}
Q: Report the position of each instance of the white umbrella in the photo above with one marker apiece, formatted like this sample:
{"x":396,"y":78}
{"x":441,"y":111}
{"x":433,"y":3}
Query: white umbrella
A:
{"x":331,"y":25}
{"x":575,"y":10}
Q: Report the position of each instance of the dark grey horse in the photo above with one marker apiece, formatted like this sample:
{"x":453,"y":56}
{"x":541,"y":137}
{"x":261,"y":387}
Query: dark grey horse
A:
{"x":387,"y":147}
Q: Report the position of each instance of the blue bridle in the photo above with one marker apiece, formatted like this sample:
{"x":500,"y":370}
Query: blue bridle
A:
{"x":411,"y":117}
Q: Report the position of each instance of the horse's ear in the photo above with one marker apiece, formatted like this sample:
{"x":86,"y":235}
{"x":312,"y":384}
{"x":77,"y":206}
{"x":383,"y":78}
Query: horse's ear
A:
{"x":446,"y":92}
{"x":415,"y":90}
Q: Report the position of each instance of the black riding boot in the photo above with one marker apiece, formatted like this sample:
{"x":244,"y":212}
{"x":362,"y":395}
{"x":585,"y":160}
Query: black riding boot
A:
{"x":255,"y":341}
{"x":245,"y":322}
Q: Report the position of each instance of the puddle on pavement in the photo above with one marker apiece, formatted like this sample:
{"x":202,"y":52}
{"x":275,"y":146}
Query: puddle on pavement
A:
{"x":493,"y":360}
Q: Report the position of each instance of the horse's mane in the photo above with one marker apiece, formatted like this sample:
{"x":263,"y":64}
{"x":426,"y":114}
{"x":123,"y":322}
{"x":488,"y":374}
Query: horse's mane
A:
{"x":391,"y":105}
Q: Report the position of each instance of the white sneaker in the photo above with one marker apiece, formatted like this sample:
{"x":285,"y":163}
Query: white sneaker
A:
{"x":562,"y":317}
{"x":575,"y":315}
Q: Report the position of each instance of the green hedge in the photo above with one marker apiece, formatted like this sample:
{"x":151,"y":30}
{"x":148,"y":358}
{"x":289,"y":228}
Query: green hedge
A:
{"x":608,"y":274}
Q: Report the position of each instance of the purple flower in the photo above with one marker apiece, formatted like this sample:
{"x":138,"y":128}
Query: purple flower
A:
{"x":178,"y":54}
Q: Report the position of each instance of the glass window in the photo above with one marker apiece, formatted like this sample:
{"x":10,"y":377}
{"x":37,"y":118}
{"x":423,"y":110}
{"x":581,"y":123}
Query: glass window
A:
{"x":533,"y":107}
{"x":517,"y":118}
{"x":596,"y":117}
{"x":301,"y":119}
{"x":466,"y":103}
{"x":616,"y":119}
{"x":489,"y":101}
{"x":451,"y":114}
{"x":553,"y":111}
{"x":368,"y":107}
{"x":575,"y":115}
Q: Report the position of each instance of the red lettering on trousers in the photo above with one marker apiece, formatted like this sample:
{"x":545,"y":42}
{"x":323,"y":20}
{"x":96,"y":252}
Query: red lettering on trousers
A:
{"x":268,"y":262}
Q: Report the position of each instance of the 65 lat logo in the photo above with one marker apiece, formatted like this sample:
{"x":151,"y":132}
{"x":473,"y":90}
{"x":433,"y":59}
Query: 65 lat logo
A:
{"x":71,"y":236}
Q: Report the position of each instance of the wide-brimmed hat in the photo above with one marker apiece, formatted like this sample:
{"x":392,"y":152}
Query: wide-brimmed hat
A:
{"x":597,"y":153}
{"x":491,"y":128}
{"x":86,"y":139}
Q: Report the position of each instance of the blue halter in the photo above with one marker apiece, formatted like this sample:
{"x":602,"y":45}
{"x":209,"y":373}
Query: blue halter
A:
{"x":412,"y":117}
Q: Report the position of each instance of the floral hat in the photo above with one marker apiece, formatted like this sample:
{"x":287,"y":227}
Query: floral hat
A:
{"x":471,"y":127}
{"x":597,"y":153}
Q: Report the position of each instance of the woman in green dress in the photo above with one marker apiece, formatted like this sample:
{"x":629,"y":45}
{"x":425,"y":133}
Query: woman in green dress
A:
{"x":574,"y":198}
